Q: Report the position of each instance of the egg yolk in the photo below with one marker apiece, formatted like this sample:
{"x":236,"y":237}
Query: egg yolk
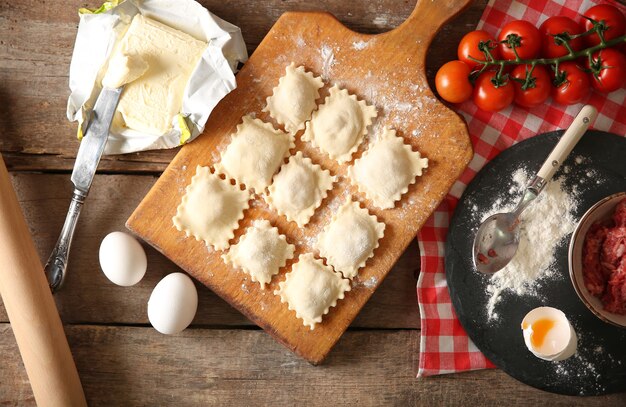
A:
{"x":540,"y":328}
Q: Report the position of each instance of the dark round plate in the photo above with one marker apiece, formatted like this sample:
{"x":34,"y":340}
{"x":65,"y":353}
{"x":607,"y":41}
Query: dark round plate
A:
{"x":599,"y":366}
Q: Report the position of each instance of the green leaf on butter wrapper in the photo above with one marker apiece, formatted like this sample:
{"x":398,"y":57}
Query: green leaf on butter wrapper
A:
{"x":185,"y":134}
{"x":81,"y":122}
{"x":106,"y":6}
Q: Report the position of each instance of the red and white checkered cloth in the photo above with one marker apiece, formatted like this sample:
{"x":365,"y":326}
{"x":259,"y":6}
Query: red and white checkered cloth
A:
{"x":445,"y":347}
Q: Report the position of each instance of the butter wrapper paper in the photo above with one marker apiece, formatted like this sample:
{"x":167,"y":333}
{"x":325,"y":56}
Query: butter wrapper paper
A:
{"x":212,"y":79}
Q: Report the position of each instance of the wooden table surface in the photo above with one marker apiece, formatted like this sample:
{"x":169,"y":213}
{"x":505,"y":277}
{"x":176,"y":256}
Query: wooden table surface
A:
{"x":222,"y":359}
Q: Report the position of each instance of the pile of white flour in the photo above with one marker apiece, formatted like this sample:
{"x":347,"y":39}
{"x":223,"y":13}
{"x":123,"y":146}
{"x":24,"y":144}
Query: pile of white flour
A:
{"x":545,"y":224}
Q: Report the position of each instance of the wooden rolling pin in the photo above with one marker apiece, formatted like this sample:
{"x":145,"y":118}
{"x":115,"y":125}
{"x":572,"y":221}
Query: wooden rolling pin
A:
{"x":31,"y":309}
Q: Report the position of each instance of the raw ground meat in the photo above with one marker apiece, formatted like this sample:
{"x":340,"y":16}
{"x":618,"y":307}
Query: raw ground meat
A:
{"x":614,"y":247}
{"x":604,"y":260}
{"x":614,"y":299}
{"x":593,"y":271}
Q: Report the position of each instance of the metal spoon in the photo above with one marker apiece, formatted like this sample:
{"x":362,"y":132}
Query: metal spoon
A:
{"x":497,"y":238}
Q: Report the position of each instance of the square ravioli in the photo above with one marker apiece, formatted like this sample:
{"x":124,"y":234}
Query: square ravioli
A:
{"x":386,"y":169}
{"x":293,"y":100}
{"x":338,"y":126}
{"x":350,"y":238}
{"x":255,"y":153}
{"x":299,"y":188}
{"x":261,"y":252}
{"x":311,"y":289}
{"x":211,"y":209}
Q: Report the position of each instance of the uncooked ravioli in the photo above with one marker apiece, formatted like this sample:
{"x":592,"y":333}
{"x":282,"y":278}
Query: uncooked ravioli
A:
{"x":211,"y":209}
{"x":350,"y":239}
{"x":386,"y":169}
{"x":293,"y":100}
{"x":311,"y":289}
{"x":255,"y":153}
{"x":339,"y":125}
{"x":260,"y":252}
{"x":299,"y":188}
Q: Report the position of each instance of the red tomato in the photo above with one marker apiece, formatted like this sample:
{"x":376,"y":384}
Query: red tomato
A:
{"x":612,"y":66}
{"x":537,"y":92}
{"x":452,"y":82}
{"x":576,"y":86}
{"x":529,"y":44}
{"x":559,"y":25}
{"x":468,"y":47}
{"x":487,"y":97}
{"x":612,"y":17}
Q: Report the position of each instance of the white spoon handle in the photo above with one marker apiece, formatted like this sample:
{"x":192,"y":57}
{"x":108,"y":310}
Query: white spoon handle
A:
{"x":571,"y":137}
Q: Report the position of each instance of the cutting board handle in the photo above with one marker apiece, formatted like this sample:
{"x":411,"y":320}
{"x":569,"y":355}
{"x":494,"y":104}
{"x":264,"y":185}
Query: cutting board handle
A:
{"x":426,"y":20}
{"x":31,"y":309}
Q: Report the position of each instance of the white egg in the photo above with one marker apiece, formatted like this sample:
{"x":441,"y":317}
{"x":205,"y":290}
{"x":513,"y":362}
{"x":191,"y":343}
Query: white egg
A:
{"x":548,"y":334}
{"x":122,"y":259}
{"x":173,"y":304}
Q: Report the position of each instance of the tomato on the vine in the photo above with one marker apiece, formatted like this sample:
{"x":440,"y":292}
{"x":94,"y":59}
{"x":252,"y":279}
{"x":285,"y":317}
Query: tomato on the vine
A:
{"x":489,"y":97}
{"x":529,"y":37}
{"x":559,"y":25}
{"x":573,"y":84}
{"x":539,"y":85}
{"x":452,"y":82}
{"x":612,"y":17}
{"x":608,"y":70}
{"x":468,"y":47}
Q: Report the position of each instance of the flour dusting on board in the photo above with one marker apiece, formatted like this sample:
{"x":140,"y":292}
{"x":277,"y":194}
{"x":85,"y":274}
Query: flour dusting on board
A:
{"x":369,"y":283}
{"x":546,"y":224}
{"x":328,"y":60}
{"x":396,"y":109}
{"x":381,"y":21}
{"x":360,"y":45}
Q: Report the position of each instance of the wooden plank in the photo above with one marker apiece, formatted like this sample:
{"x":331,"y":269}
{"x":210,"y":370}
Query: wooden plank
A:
{"x":132,"y":366}
{"x":35,"y":52}
{"x":89,"y":297}
{"x":388,"y":73}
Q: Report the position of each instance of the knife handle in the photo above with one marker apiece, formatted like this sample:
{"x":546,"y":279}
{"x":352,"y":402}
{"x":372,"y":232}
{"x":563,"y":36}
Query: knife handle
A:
{"x":57,"y":262}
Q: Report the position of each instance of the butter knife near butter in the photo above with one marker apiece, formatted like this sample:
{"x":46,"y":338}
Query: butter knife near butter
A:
{"x":87,"y":160}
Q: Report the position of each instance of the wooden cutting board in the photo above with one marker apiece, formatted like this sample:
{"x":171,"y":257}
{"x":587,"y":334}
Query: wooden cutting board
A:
{"x":386,"y":70}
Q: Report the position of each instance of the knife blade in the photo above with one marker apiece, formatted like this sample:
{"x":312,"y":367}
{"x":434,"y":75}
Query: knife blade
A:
{"x":95,"y":139}
{"x":87,"y":160}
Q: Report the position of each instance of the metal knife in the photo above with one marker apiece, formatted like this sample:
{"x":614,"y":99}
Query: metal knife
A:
{"x":87,"y":159}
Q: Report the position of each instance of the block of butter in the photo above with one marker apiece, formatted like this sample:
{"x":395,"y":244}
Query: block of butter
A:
{"x":149,"y":103}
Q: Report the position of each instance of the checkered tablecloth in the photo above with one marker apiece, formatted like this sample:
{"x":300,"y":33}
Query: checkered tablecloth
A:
{"x":445,"y":347}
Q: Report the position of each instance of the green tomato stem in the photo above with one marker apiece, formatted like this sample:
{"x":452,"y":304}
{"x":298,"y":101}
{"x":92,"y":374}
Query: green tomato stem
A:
{"x":512,"y":40}
{"x":551,"y":61}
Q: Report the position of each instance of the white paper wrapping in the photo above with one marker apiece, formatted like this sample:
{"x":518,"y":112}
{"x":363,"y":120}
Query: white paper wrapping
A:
{"x":211,"y":80}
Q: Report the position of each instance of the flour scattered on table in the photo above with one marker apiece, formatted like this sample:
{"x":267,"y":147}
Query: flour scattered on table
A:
{"x":546,"y":224}
{"x":585,"y":365}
